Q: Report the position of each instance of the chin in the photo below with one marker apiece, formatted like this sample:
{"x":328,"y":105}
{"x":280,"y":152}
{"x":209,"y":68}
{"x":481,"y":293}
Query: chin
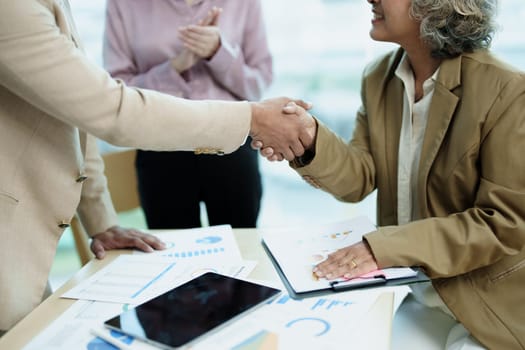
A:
{"x":377,"y":36}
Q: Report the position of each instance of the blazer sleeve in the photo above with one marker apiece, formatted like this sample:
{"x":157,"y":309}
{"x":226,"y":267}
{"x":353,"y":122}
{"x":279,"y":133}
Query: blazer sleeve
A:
{"x":40,"y":63}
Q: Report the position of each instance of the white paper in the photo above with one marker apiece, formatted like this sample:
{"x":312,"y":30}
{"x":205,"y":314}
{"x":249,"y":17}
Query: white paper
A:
{"x":285,"y":323}
{"x":203,"y":244}
{"x":136,"y":278}
{"x":298,"y":250}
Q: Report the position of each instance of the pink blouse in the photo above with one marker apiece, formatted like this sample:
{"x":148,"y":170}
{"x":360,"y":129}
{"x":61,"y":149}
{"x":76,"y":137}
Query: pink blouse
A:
{"x":141,"y":38}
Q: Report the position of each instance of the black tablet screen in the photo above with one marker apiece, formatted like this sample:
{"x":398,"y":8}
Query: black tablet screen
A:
{"x":191,"y":309}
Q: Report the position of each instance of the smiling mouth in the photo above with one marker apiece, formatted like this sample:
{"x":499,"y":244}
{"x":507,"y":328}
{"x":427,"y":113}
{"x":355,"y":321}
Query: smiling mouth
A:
{"x":377,"y":16}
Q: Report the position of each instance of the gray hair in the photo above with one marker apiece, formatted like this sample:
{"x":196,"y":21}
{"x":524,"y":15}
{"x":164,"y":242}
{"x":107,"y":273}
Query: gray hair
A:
{"x":452,"y":27}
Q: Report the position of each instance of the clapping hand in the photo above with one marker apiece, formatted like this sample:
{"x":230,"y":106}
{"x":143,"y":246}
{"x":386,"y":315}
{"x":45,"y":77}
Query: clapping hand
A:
{"x":207,"y":45}
{"x":203,"y":39}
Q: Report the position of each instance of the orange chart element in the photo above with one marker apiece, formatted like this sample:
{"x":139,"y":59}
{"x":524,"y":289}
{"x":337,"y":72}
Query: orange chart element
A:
{"x":262,"y":340}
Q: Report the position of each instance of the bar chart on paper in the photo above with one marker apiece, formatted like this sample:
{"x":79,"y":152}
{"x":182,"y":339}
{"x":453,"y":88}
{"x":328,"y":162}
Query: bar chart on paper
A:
{"x":127,"y":279}
{"x":201,"y":244}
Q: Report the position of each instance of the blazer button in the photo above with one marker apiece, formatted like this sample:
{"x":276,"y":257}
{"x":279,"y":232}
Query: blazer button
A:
{"x":81,"y":178}
{"x":63,"y":225}
{"x":205,"y":150}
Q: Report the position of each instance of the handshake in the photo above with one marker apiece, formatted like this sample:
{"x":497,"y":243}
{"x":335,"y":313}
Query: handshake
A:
{"x":281,"y":128}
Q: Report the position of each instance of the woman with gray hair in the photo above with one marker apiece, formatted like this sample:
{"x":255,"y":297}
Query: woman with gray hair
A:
{"x":441,"y":136}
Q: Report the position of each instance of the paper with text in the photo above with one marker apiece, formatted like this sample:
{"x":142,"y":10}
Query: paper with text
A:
{"x":298,"y":250}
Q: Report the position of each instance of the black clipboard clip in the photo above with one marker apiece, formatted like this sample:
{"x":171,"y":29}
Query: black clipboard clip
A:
{"x":357,"y":282}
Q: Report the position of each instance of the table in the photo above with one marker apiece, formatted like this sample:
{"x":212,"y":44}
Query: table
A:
{"x":374,"y":331}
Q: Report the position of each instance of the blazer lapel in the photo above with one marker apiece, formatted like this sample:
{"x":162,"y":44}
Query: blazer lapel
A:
{"x":392,"y":114}
{"x":393,"y":119}
{"x":442,"y":108}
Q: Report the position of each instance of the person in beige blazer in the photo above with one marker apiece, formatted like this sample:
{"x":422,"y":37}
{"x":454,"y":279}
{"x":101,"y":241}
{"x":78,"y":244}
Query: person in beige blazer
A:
{"x":52,"y":99}
{"x":441,"y":136}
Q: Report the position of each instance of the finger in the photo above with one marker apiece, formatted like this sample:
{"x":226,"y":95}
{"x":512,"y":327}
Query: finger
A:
{"x":331,"y":263}
{"x":256,"y":144}
{"x":297,"y":148}
{"x":211,"y":17}
{"x":329,"y":270}
{"x":200,"y":47}
{"x":98,"y":249}
{"x":196,"y":31}
{"x":267,"y":152}
{"x":139,"y":243}
{"x":307,"y":139}
{"x":288,"y":154}
{"x":215,"y":15}
{"x":278,"y":157}
{"x":154,"y":242}
{"x":360,"y":269}
{"x":188,"y":37}
{"x":290,"y":108}
{"x":206,"y":20}
{"x":304,"y":104}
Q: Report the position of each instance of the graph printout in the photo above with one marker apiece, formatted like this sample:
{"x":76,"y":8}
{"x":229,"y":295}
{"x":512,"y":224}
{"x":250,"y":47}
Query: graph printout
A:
{"x":204,"y":244}
{"x":127,"y":279}
{"x":285,"y":323}
{"x":298,"y":250}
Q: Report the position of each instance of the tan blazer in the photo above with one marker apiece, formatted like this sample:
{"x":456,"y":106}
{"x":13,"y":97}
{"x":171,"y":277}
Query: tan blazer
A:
{"x":51,"y":98}
{"x":471,"y":187}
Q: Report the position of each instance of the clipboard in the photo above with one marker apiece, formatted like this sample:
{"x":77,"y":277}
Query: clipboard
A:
{"x":289,"y":248}
{"x":340,"y":286}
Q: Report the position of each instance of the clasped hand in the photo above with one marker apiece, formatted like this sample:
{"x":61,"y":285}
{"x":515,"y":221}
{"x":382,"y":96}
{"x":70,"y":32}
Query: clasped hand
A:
{"x":282,"y":128}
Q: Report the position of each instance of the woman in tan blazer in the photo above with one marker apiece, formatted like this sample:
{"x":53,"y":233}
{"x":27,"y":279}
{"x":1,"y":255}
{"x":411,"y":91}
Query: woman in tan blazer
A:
{"x":441,"y":136}
{"x":52,"y":98}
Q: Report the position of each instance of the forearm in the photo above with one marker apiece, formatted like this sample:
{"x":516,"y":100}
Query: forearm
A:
{"x":341,"y":169}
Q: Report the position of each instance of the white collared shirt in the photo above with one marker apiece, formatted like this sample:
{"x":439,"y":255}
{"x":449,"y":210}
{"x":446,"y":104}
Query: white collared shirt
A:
{"x":415,"y":116}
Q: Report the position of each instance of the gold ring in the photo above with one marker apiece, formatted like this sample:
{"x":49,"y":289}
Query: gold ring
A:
{"x":354,"y":264}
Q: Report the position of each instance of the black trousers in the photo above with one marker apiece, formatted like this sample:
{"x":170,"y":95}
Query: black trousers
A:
{"x":172,"y":185}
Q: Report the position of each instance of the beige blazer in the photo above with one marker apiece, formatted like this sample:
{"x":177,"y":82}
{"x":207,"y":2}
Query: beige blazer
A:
{"x":51,"y":99}
{"x":470,"y":236}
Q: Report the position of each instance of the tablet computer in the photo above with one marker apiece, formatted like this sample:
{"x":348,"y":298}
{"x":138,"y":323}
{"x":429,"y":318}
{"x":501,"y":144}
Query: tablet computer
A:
{"x":187,"y":312}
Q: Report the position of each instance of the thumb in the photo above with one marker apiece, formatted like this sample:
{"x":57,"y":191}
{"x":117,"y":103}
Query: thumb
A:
{"x":290,"y":108}
{"x":98,"y":249}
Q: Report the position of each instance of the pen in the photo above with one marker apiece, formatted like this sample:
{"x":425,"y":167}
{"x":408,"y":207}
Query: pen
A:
{"x":109,"y":339}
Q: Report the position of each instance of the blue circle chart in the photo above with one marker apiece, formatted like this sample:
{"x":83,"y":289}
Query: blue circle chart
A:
{"x":318,"y":320}
{"x":209,"y":240}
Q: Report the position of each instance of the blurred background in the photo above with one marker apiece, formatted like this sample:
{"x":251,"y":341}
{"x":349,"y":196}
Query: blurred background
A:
{"x":320,"y":48}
